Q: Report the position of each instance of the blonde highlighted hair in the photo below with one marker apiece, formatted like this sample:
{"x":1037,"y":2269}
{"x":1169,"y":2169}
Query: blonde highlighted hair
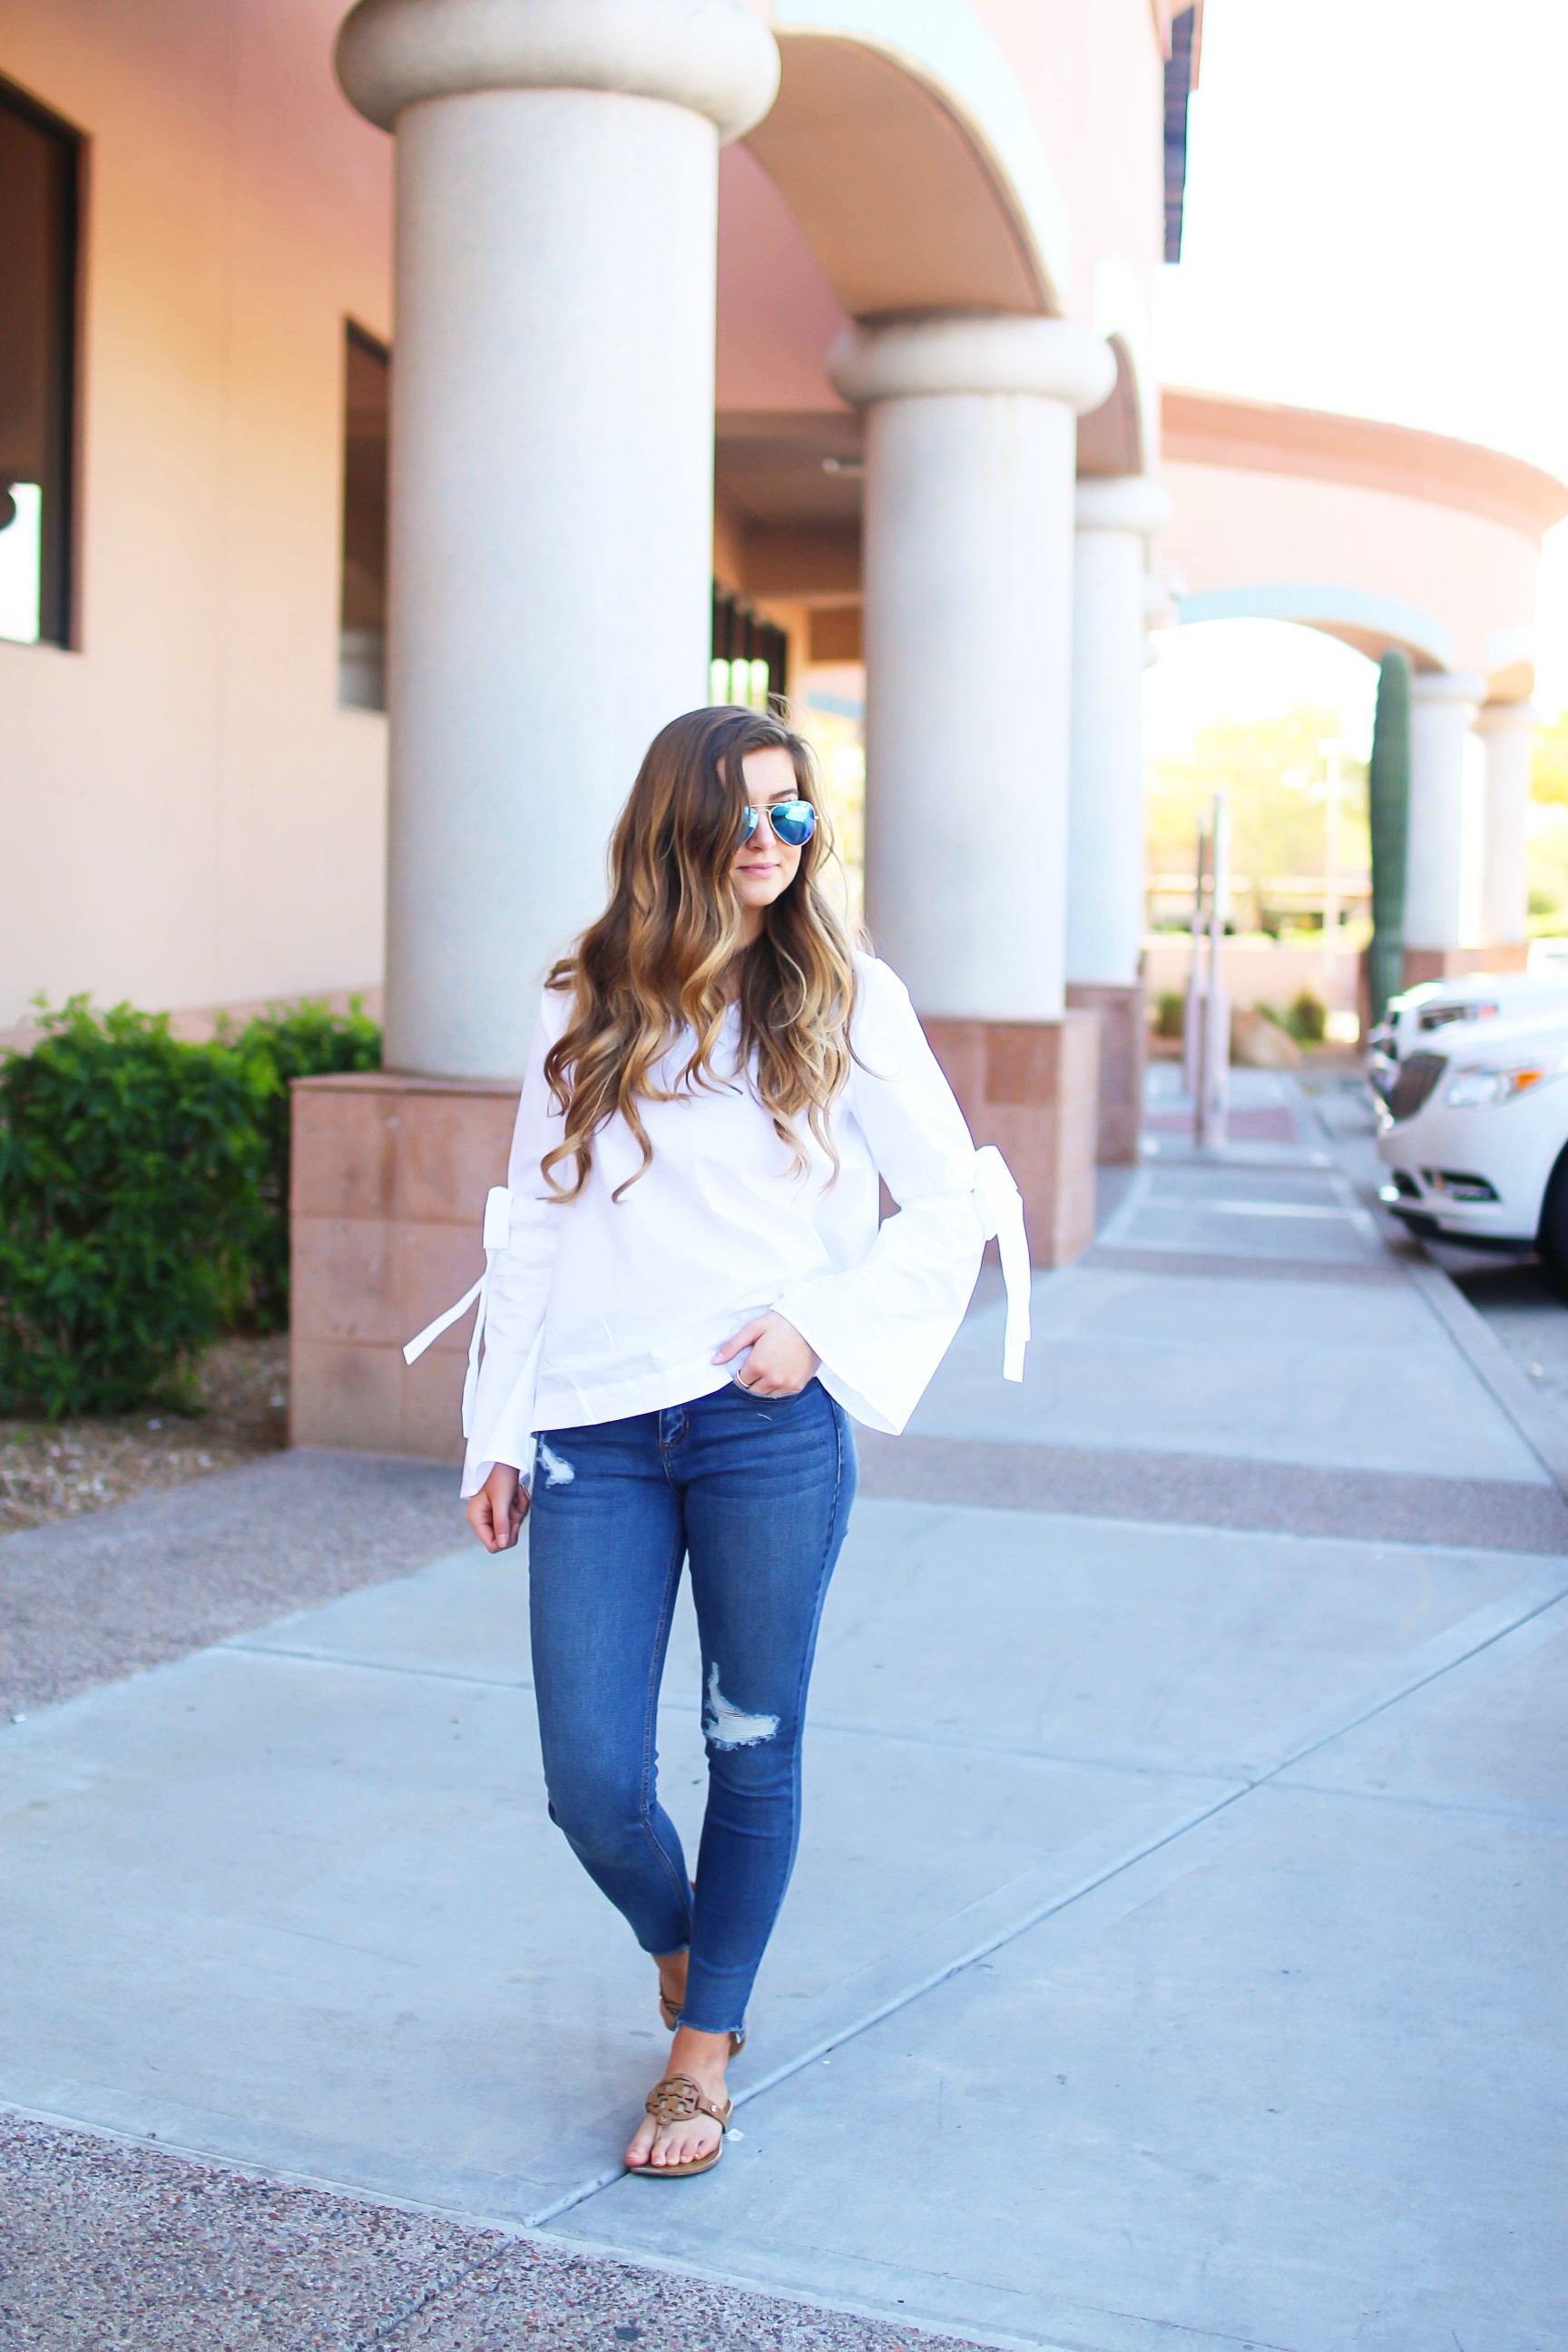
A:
{"x":668,"y":954}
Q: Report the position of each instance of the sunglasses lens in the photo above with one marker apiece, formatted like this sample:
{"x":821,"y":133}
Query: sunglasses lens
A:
{"x":794,"y":822}
{"x":748,"y":823}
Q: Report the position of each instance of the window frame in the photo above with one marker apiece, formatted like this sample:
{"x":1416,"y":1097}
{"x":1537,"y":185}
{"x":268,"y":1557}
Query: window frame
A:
{"x":59,"y":549}
{"x":374,"y":347}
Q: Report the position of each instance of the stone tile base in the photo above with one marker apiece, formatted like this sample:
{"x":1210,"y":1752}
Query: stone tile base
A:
{"x":1032,"y":1089}
{"x":1452,"y":964}
{"x":1123,"y":1056}
{"x":388,"y":1193}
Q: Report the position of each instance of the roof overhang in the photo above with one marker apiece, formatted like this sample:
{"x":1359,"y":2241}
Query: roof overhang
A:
{"x":1208,"y":429}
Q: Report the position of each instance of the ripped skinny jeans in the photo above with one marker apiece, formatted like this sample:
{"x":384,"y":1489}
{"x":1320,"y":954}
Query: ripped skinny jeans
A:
{"x":754,"y":1493}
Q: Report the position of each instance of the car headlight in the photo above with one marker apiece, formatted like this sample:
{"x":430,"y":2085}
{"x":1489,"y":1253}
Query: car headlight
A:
{"x":1484,"y":1090}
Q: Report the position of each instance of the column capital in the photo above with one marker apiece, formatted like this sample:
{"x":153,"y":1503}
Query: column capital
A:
{"x":1130,"y":502}
{"x":1448,"y":686}
{"x":715,"y":56}
{"x":964,"y":351}
{"x":1506,"y":719}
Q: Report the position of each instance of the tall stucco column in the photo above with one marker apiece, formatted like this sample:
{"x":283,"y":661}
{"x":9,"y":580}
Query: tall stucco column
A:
{"x":1442,"y":706}
{"x":551,"y":543}
{"x":552,"y":462}
{"x":971,"y":450}
{"x":1117,"y":515}
{"x":1506,"y":729}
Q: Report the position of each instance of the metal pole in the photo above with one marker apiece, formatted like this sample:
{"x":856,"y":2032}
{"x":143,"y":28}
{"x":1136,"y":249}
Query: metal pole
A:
{"x":1331,"y":751}
{"x":1214,"y":1098}
{"x":1191,"y":1026}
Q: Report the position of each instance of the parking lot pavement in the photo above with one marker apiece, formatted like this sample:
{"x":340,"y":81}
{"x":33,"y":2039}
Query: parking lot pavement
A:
{"x":1174,"y":1952}
{"x":1520,"y":1307}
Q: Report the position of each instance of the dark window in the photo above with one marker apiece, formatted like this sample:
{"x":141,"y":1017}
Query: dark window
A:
{"x":40,"y":160}
{"x":749,"y":655}
{"x":1181,"y":79}
{"x":362,"y":643}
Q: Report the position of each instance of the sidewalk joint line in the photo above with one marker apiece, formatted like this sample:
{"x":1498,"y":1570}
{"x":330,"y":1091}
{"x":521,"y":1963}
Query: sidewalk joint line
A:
{"x":1128,"y":1207}
{"x":954,"y":1742}
{"x":370,"y":1665}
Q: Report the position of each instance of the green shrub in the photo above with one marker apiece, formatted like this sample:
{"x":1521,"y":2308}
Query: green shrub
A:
{"x":1307,"y":1018}
{"x":1170,"y":1012}
{"x":145,"y":1196}
{"x":305,"y":1041}
{"x":128,"y":1207}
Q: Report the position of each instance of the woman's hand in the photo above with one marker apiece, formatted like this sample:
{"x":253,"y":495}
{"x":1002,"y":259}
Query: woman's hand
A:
{"x":780,"y":1363}
{"x":497,"y":1512}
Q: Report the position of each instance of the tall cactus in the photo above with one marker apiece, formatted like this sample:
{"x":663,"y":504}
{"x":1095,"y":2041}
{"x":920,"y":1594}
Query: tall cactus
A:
{"x":1388,"y":793}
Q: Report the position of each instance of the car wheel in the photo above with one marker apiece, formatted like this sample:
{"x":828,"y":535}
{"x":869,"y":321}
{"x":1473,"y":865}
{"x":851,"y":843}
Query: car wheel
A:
{"x":1551,"y":1240}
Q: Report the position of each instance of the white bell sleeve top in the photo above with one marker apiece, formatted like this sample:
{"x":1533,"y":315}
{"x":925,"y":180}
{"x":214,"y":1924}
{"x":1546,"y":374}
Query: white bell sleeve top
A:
{"x":593,"y":1308}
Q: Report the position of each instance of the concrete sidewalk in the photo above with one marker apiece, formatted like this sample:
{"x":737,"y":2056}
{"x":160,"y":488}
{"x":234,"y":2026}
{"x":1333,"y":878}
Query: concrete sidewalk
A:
{"x":1174,"y":1954}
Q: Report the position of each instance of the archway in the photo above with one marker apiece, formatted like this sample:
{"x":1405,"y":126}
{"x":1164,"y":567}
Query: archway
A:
{"x":903,"y":191}
{"x":1277,"y":713}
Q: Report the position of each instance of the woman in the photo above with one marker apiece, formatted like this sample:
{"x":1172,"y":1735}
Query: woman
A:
{"x":687,"y":1294}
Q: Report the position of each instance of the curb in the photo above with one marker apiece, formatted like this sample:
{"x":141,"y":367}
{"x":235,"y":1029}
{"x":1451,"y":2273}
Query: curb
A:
{"x":1543,"y":1428}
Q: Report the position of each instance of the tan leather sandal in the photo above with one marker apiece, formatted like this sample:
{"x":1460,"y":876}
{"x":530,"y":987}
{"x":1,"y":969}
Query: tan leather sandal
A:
{"x":671,"y":2016}
{"x":675,"y":2101}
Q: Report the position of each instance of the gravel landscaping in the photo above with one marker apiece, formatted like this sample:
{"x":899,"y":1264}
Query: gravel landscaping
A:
{"x":57,"y":1470}
{"x":107,"y":2248}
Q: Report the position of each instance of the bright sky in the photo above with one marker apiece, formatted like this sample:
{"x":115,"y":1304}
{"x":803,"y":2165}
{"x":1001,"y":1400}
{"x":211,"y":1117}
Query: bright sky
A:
{"x":1376,"y":222}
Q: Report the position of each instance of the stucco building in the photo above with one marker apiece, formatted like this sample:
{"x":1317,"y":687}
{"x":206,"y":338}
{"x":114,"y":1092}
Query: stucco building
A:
{"x":803,"y":333}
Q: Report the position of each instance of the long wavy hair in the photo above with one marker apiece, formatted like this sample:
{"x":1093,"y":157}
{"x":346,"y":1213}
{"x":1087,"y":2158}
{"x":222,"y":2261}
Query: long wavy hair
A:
{"x":668,"y":955}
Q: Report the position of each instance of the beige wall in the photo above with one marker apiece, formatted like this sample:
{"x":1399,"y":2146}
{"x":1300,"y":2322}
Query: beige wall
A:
{"x":188,"y":816}
{"x":1241,"y":528}
{"x":1095,"y":82}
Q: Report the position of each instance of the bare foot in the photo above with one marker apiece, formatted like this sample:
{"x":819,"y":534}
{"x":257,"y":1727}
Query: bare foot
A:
{"x":704,"y":2057}
{"x":671,"y":1969}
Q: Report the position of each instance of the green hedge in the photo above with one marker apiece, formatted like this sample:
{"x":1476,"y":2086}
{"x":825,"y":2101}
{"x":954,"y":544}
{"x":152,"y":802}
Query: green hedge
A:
{"x":145,"y":1197}
{"x":307,"y":1042}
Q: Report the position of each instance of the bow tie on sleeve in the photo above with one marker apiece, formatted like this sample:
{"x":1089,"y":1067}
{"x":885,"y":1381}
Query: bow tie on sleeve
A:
{"x":1000,"y":1207}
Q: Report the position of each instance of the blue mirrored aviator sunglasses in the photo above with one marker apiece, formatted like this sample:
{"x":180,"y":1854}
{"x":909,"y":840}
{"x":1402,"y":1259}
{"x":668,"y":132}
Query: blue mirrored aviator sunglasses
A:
{"x":794,"y":822}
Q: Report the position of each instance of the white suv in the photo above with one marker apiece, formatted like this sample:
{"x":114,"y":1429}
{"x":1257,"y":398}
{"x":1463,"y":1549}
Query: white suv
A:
{"x":1475,"y":1137}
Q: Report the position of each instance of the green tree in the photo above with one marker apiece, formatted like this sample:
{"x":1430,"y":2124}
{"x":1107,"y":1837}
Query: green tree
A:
{"x":1548,"y":849}
{"x":1275,"y":775}
{"x":1388,"y":795}
{"x":1548,"y":763}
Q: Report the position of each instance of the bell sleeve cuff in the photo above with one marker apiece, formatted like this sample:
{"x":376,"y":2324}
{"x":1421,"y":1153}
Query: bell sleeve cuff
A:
{"x":882,"y":1328}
